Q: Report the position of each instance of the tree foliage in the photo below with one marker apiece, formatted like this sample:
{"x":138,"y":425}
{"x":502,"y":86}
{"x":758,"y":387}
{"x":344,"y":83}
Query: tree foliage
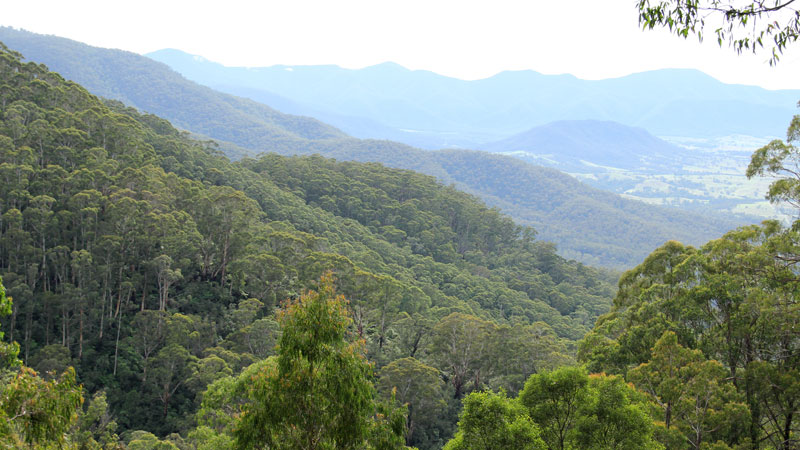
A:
{"x":561,"y":409}
{"x":490,"y":421}
{"x":746,"y":26}
{"x":319,"y":394}
{"x":780,"y":160}
{"x":718,"y":321}
{"x":153,"y":265}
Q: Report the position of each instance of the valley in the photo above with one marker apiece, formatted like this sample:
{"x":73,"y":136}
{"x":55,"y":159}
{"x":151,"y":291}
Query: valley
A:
{"x":610,"y":231}
{"x":697,"y":174}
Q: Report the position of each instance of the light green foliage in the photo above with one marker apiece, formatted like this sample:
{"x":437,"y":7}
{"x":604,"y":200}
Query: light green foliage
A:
{"x":666,"y":375}
{"x":96,"y":429}
{"x":614,"y":416}
{"x":723,"y":315}
{"x":461,"y":346}
{"x":224,"y":399}
{"x":204,"y":438}
{"x":692,"y":392}
{"x":8,"y":351}
{"x":563,"y":409}
{"x":143,"y":440}
{"x":647,"y":303}
{"x":319,"y":394}
{"x":37,"y":411}
{"x":492,"y":421}
{"x":553,"y":400}
{"x":388,"y":425}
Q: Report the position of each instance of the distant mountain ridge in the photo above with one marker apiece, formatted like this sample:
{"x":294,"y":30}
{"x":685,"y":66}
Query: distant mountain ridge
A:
{"x":586,"y":224}
{"x":448,"y":112}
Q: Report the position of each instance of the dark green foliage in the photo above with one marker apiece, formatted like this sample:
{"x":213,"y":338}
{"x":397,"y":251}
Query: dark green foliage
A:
{"x":153,"y":265}
{"x":421,"y":388}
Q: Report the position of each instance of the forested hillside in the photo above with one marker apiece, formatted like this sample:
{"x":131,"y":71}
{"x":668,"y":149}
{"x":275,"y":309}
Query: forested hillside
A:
{"x":162,"y":297}
{"x":586,"y":224}
{"x":152,"y":264}
{"x":149,"y":86}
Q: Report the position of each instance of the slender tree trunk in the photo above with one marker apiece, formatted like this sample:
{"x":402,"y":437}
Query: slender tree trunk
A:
{"x":116,"y":344}
{"x":63,"y":325}
{"x":144,"y":292}
{"x":119,"y":325}
{"x":787,"y":430}
{"x":80,"y":330}
{"x":668,"y":415}
{"x":48,"y":322}
{"x":14,"y":310}
{"x":28,"y":322}
{"x":102,"y":316}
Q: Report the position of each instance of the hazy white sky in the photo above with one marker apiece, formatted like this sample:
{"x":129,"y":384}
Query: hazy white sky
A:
{"x":591,"y":39}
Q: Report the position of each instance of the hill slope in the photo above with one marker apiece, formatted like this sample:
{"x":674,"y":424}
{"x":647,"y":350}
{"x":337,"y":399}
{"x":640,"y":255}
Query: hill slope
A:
{"x":153,"y":264}
{"x":638,"y":227}
{"x":571,"y":144}
{"x":153,"y":87}
{"x":590,"y":225}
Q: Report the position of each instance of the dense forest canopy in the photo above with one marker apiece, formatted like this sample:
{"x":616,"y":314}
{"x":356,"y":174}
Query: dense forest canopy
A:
{"x":155,"y":295}
{"x":153,"y":265}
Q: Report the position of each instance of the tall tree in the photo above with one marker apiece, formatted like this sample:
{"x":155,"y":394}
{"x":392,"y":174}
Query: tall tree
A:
{"x":553,"y":400}
{"x":418,"y":386}
{"x":614,"y":417}
{"x":319,"y":395}
{"x":493,"y":421}
{"x":460,"y":346}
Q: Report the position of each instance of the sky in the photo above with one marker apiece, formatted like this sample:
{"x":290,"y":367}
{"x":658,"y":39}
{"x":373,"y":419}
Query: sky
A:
{"x":591,"y":39}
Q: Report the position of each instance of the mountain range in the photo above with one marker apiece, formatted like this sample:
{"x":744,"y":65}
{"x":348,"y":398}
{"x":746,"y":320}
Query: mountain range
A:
{"x":421,"y":108}
{"x":587,"y":224}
